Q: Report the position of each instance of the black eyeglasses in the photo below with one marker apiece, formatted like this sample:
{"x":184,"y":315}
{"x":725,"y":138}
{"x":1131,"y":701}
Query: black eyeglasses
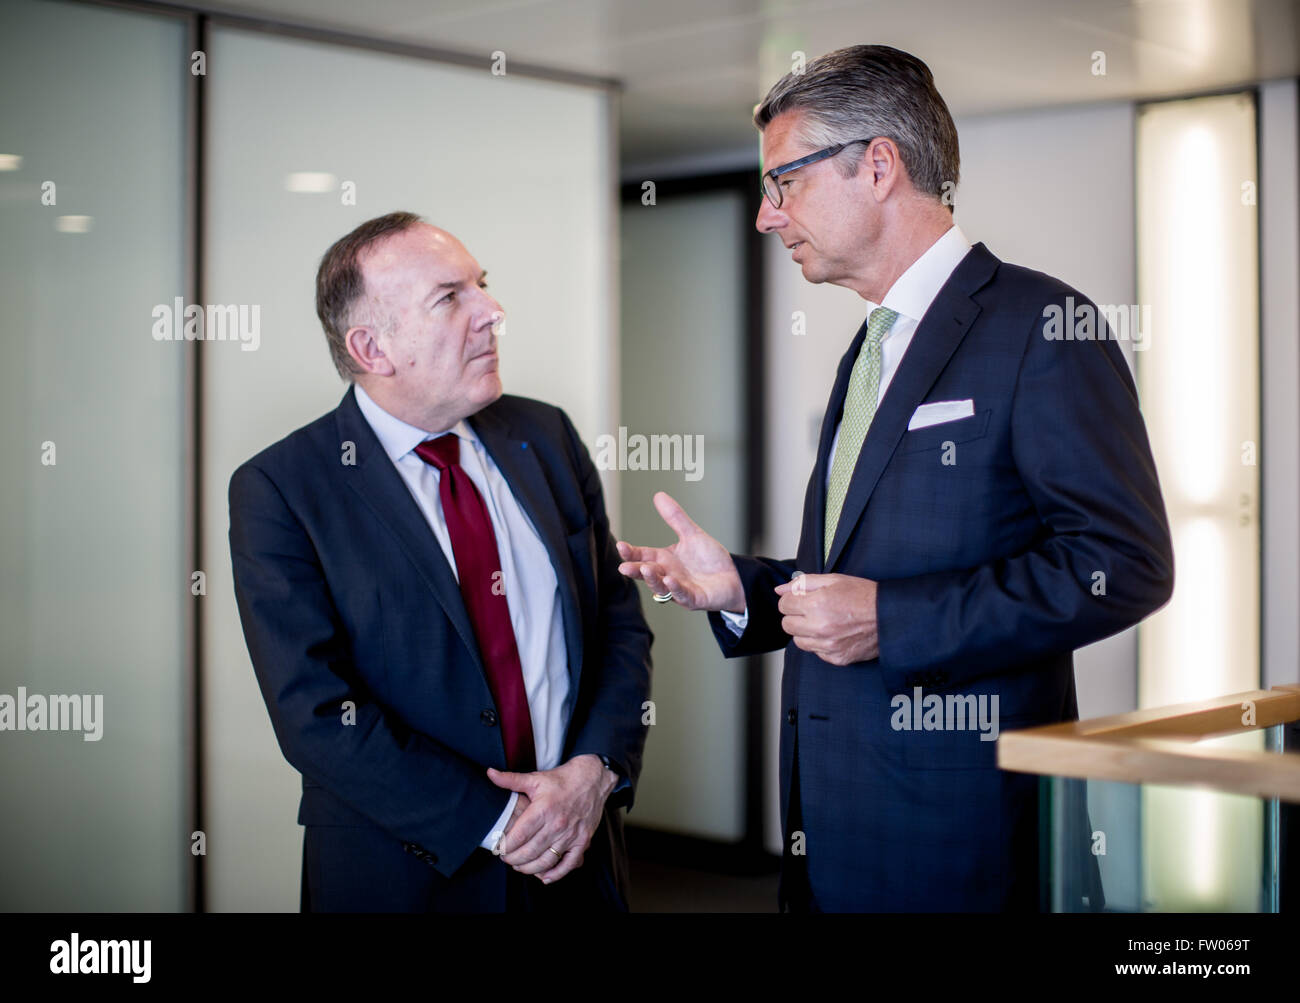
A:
{"x":768,"y":184}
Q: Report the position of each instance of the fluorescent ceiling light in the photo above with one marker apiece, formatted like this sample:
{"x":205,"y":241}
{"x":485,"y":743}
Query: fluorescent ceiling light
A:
{"x":74,"y":224}
{"x":311,"y":182}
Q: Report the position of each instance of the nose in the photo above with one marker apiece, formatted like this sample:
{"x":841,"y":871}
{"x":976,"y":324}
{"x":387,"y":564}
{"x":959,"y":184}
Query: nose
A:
{"x":488,"y":310}
{"x":769,"y":218}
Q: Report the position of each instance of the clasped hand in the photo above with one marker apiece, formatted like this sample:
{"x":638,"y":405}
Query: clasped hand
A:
{"x":557,"y":810}
{"x":831,"y":616}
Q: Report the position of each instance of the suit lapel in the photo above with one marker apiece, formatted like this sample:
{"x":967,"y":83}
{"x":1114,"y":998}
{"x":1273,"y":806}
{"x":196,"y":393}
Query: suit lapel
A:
{"x":941,"y":330}
{"x":381,"y":487}
{"x":517,"y":460}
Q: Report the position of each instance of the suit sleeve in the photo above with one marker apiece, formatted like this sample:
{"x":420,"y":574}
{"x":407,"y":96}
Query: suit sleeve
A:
{"x":613,"y":707}
{"x":759,"y":576}
{"x":1103,"y":559}
{"x":407,"y":783}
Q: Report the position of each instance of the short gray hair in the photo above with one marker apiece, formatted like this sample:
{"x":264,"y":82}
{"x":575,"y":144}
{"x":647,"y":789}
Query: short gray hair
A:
{"x":341,"y":298}
{"x":866,"y":91}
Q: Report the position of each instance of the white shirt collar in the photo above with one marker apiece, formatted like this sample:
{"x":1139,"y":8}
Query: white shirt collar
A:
{"x":914,"y":290}
{"x":396,"y":436}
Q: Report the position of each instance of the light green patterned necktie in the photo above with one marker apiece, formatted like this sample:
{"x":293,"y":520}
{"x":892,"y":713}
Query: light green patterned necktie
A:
{"x":859,"y":409}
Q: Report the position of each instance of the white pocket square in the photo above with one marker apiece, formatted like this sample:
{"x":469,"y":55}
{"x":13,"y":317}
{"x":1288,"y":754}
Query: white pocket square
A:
{"x":938,"y":412}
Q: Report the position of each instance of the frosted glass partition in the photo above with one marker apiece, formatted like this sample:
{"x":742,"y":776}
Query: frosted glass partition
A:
{"x":1198,"y":269}
{"x":682,"y":358}
{"x":92,"y":528}
{"x":518,"y":168}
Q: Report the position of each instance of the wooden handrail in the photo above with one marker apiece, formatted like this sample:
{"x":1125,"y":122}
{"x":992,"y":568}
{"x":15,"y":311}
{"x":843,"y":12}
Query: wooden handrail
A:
{"x":1158,"y":746}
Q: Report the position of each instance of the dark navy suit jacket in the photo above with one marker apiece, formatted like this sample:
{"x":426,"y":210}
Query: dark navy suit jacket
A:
{"x":986,"y":565}
{"x":347,"y":598}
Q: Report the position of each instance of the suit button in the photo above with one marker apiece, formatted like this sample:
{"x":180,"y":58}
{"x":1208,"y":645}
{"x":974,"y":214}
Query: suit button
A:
{"x":420,"y":853}
{"x":790,"y":716}
{"x":489,"y":717}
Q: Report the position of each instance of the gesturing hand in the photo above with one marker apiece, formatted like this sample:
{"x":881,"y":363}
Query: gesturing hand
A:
{"x":562,"y":807}
{"x":696,"y":569}
{"x":833,"y":616}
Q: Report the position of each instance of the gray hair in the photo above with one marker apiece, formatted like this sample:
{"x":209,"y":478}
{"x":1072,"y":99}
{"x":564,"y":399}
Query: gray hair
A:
{"x":341,"y":299}
{"x":866,"y":91}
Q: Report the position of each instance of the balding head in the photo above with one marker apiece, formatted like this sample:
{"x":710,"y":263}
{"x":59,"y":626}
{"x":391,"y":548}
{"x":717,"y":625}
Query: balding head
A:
{"x":408,"y":316}
{"x":340,"y":285}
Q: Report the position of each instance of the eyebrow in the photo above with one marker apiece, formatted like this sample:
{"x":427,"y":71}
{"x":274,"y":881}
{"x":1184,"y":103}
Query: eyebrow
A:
{"x":453,"y":284}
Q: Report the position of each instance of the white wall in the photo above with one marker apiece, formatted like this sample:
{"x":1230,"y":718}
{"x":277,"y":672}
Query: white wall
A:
{"x":683,"y":332}
{"x":1279,"y":262}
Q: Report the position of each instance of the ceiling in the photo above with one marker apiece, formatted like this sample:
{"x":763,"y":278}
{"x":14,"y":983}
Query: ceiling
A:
{"x":692,"y":70}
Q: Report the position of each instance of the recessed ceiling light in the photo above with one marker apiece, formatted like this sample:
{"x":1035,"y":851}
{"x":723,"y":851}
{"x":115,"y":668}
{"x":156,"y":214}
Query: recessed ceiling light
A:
{"x":312,"y":182}
{"x":74,"y":224}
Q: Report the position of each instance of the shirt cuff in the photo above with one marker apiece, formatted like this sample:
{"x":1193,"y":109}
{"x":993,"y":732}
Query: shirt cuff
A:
{"x":736,"y":622}
{"x":492,"y":838}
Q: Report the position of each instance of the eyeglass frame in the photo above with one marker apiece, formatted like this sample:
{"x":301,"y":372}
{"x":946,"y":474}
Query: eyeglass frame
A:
{"x":812,"y":158}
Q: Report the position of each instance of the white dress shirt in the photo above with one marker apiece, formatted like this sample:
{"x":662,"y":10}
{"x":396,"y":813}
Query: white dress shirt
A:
{"x":910,"y":297}
{"x":531,"y":588}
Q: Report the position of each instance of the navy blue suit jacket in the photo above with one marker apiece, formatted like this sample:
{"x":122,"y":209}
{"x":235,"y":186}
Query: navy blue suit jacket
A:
{"x":346,"y":599}
{"x":985,"y":535}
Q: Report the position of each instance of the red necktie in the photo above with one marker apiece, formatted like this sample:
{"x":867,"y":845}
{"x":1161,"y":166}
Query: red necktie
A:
{"x":478,"y":564}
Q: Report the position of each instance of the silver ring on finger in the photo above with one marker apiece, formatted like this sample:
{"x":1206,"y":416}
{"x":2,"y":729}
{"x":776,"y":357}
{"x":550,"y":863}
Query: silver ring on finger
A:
{"x":662,"y":597}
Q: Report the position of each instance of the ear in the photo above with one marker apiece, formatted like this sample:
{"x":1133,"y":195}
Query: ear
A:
{"x":363,"y":345}
{"x":885,"y":165}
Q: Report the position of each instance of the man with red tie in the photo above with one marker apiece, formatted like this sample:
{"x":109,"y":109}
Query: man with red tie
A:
{"x":430,"y":596}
